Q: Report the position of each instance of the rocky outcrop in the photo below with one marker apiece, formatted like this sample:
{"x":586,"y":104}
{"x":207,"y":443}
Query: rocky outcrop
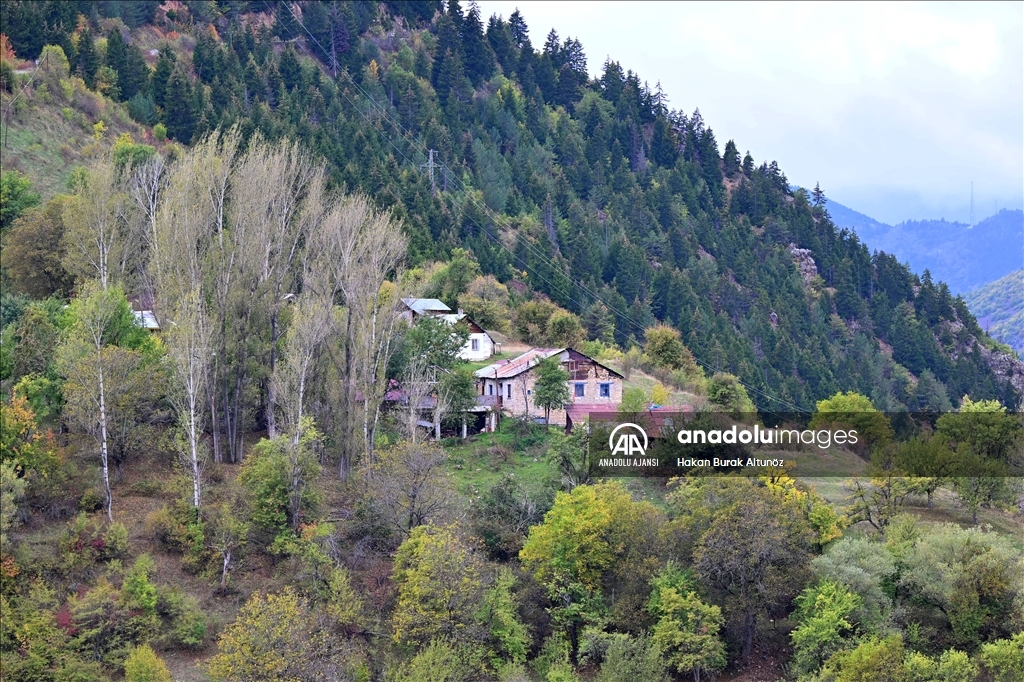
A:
{"x":1006,"y":367}
{"x":804,"y":262}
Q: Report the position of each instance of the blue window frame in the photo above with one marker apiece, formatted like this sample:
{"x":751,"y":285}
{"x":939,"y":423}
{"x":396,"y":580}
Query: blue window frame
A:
{"x":581,"y":390}
{"x":604,"y":390}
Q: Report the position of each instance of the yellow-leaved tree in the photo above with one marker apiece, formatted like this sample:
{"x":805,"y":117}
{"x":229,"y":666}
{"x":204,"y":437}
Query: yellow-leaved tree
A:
{"x":280,"y":637}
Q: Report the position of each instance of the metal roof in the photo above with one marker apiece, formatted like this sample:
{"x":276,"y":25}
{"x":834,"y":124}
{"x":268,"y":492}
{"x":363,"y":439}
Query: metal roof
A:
{"x":506,"y":369}
{"x":146,"y":319}
{"x":424,"y":306}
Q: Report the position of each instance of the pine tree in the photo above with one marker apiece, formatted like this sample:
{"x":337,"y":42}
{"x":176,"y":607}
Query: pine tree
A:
{"x":117,"y":56}
{"x":88,"y":59}
{"x":479,"y":56}
{"x":748,"y":164}
{"x":818,"y":196}
{"x":517,"y":26}
{"x":664,"y":148}
{"x":135,"y":77}
{"x":730,"y":159}
{"x":290,"y":69}
{"x":179,"y":112}
{"x":285,"y":28}
{"x":500,"y":39}
{"x":162,"y":74}
{"x":449,"y":44}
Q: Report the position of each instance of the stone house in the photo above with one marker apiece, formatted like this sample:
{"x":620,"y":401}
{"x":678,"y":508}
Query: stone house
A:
{"x":511,"y":382}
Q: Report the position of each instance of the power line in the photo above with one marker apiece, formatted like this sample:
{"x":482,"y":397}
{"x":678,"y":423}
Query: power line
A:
{"x":470,"y":195}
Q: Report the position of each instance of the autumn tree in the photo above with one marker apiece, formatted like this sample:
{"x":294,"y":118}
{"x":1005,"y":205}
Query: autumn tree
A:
{"x":225,"y":534}
{"x":823,"y":623}
{"x":588,"y":544}
{"x":437,"y":341}
{"x":571,"y":454}
{"x":189,"y":349}
{"x":687,"y":633}
{"x":277,"y":197}
{"x":664,"y":348}
{"x":34,"y":252}
{"x":966,"y":579}
{"x":16,"y":196}
{"x":726,"y":392}
{"x":440,"y":580}
{"x":455,"y":395}
{"x":366,"y":248}
{"x":853,"y":410}
{"x":486,"y":301}
{"x":276,"y":637}
{"x":143,"y":665}
{"x":630,"y":659}
{"x":407,"y":487}
{"x":750,"y":549}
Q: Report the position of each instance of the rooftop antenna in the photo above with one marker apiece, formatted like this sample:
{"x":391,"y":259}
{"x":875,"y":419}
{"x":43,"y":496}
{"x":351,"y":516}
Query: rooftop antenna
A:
{"x":972,"y":203}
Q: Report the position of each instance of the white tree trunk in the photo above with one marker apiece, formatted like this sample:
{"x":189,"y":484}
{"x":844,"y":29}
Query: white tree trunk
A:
{"x":103,"y":439}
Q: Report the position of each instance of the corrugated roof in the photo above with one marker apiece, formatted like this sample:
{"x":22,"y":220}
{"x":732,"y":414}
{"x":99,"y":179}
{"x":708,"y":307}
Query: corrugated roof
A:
{"x":423,"y":306}
{"x":506,"y":369}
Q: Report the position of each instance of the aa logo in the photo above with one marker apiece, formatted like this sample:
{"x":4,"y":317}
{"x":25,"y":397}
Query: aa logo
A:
{"x":629,"y":440}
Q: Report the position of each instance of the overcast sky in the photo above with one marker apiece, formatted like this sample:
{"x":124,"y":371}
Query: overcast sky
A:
{"x":894,"y":108}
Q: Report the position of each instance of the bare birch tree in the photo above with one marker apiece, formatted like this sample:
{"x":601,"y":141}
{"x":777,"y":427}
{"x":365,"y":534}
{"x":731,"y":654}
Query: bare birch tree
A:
{"x":86,"y":363}
{"x":368,"y":248}
{"x":188,"y":348}
{"x":143,"y":187}
{"x":418,"y":382}
{"x":311,"y":323}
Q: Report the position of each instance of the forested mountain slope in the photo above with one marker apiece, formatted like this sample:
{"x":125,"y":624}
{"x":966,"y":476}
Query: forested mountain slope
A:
{"x":592,"y":192}
{"x":999,"y":307}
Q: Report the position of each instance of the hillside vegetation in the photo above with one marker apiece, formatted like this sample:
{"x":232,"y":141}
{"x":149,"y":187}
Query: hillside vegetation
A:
{"x":999,"y":307}
{"x":277,"y":483}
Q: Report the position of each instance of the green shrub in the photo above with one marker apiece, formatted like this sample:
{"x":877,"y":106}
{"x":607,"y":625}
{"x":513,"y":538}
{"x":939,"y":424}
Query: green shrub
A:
{"x":1004,"y":658}
{"x":143,"y":665}
{"x":87,"y":541}
{"x":179,"y":528}
{"x":187,"y":624}
{"x":160,"y":132}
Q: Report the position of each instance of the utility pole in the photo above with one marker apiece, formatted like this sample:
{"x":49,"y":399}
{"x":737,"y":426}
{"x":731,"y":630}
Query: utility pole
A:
{"x":429,"y":165}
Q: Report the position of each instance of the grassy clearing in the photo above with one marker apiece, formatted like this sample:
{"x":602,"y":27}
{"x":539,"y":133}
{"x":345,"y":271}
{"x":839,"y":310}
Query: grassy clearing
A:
{"x":49,"y":134}
{"x":484,"y":459}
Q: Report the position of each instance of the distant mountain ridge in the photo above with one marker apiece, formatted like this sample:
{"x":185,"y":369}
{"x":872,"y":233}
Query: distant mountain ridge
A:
{"x":964,"y":257}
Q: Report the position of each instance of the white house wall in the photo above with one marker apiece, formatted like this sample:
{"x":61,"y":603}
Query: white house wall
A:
{"x":484,"y":349}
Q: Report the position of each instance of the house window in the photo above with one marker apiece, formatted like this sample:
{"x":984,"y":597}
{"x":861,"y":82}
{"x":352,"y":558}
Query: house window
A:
{"x":580,"y":390}
{"x":474,"y":344}
{"x":491,"y":387}
{"x":508,"y":387}
{"x":604,"y":390}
